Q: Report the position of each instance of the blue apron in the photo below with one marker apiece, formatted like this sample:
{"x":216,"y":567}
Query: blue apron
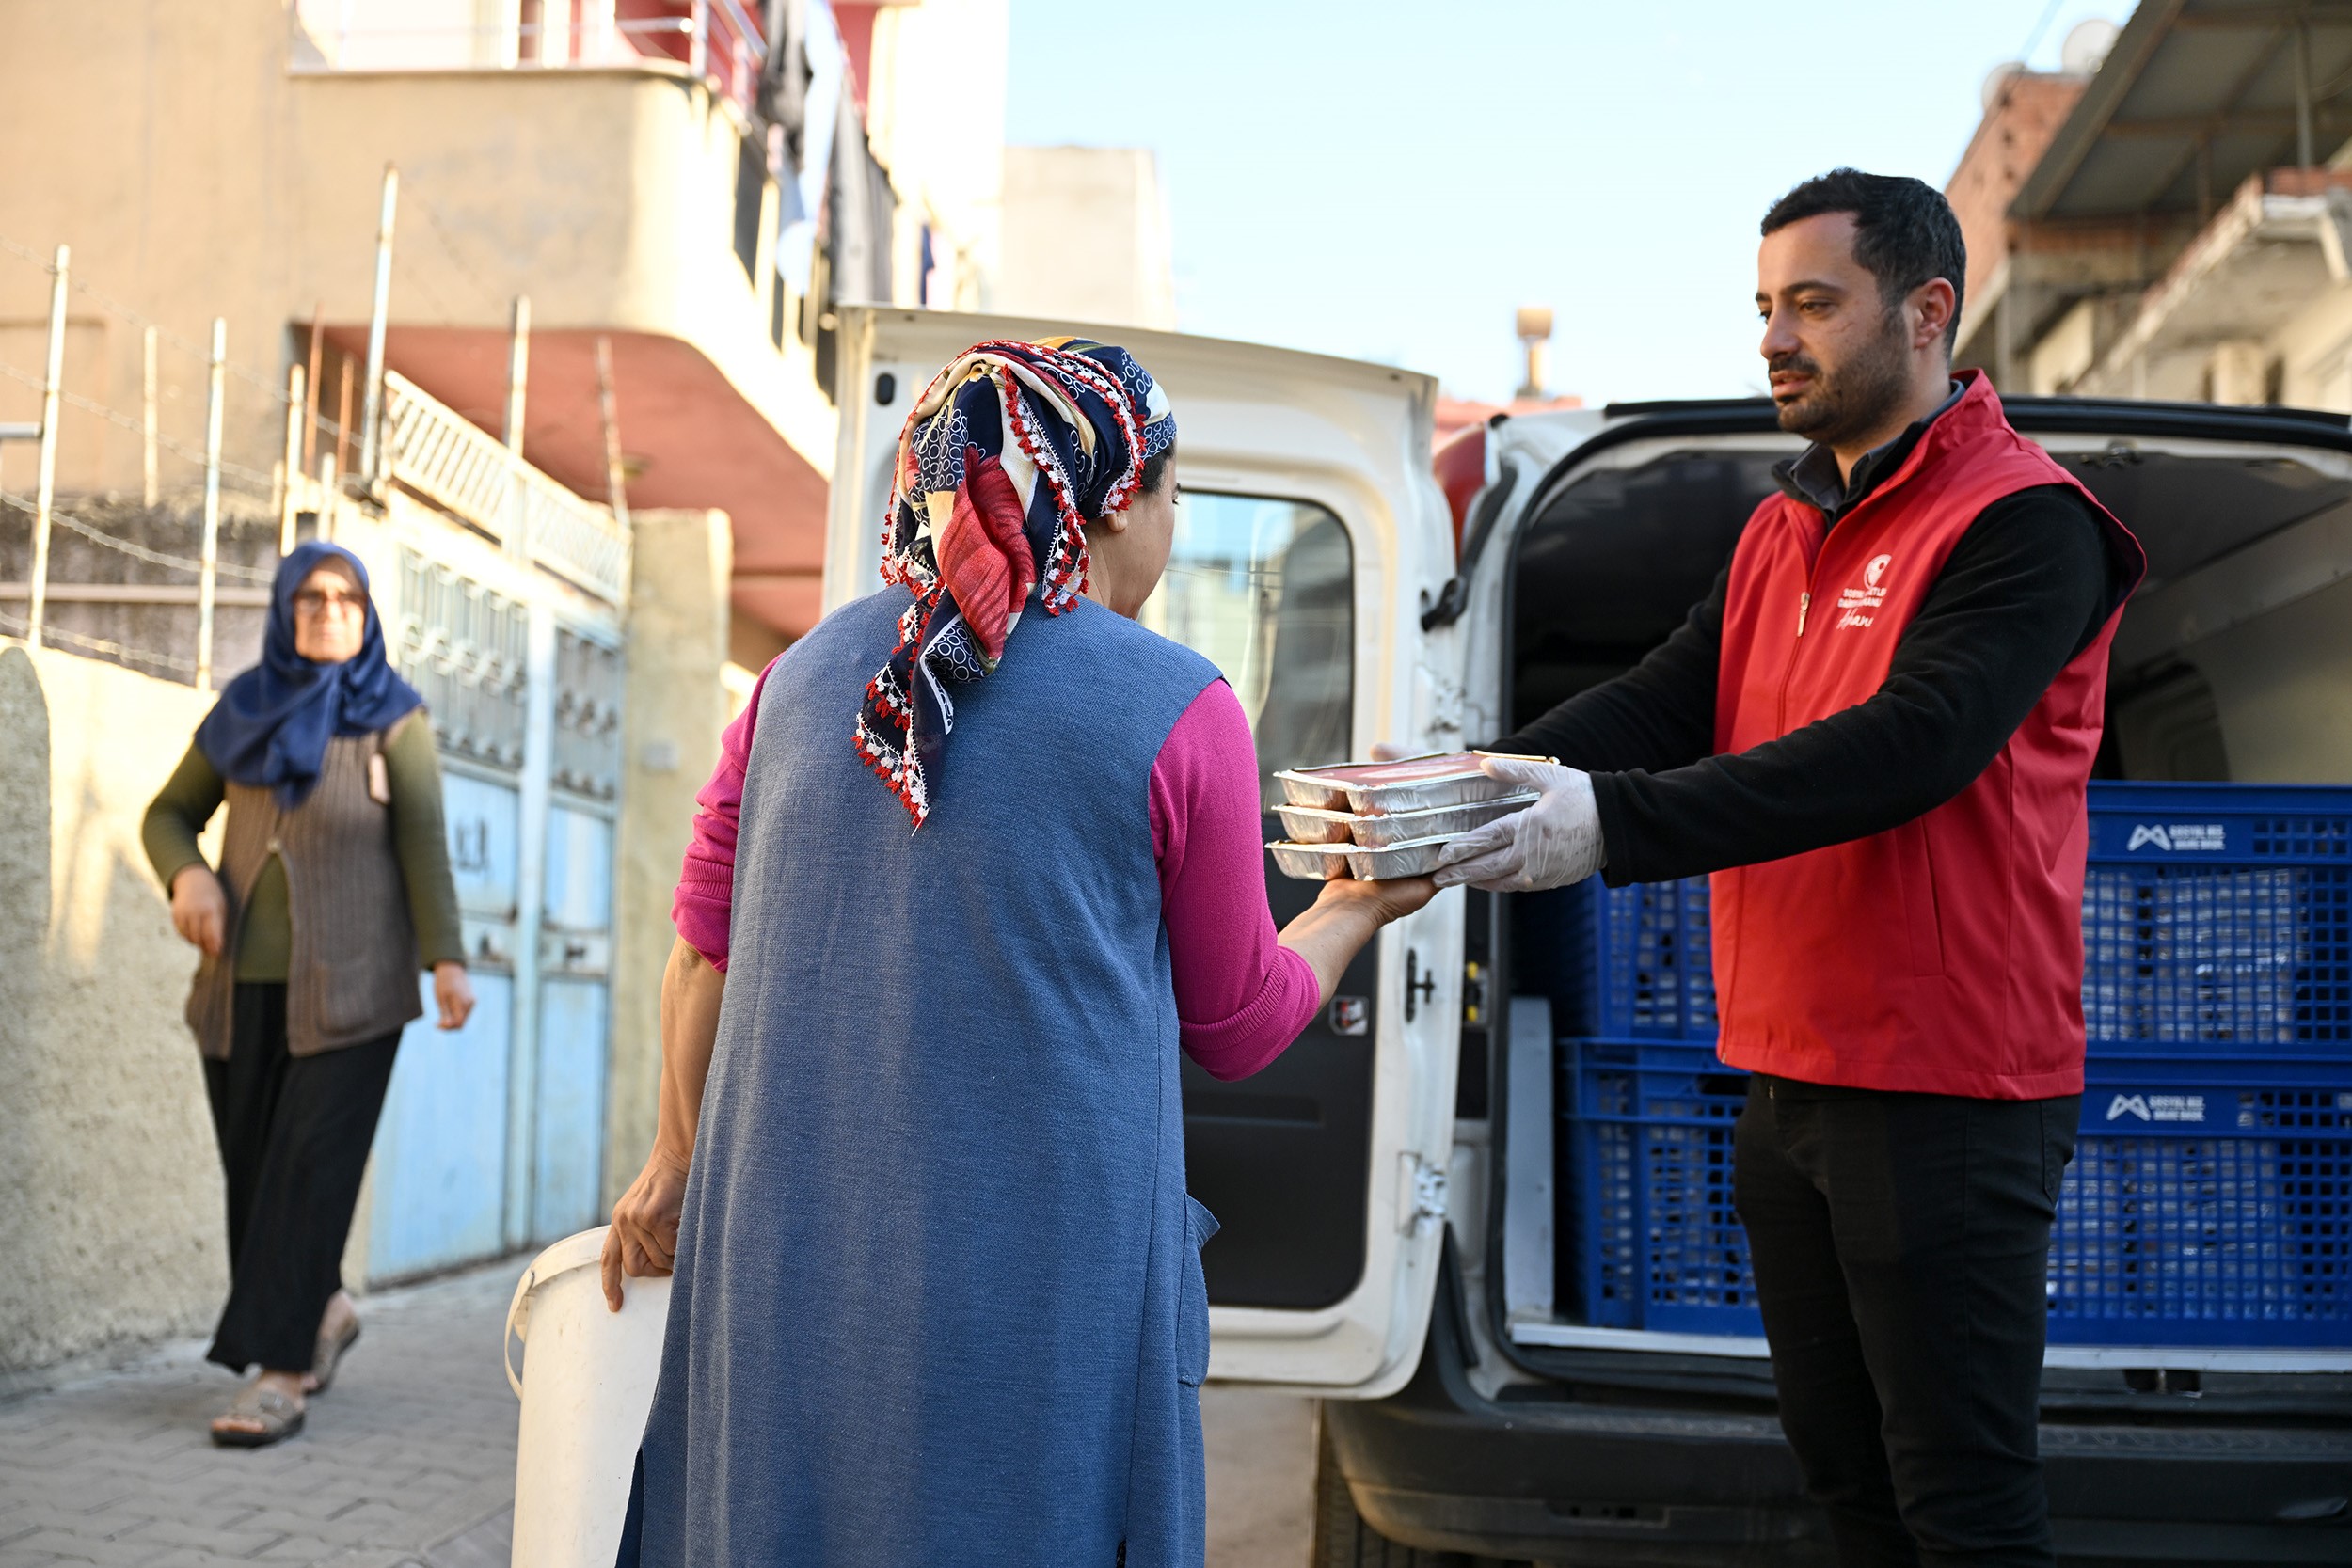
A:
{"x":938,"y":1295}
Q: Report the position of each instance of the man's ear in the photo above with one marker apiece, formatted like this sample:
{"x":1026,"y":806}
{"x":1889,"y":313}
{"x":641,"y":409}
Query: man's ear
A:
{"x":1933,"y":301}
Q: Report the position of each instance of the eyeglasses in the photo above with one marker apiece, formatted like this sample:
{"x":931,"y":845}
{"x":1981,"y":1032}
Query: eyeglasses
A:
{"x":311,"y":601}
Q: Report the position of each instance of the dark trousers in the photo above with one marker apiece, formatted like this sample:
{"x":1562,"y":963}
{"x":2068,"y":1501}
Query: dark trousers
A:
{"x":294,"y":1134}
{"x":1901,"y":1244}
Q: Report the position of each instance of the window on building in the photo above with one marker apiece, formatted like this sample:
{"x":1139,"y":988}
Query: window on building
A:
{"x":751,"y":191}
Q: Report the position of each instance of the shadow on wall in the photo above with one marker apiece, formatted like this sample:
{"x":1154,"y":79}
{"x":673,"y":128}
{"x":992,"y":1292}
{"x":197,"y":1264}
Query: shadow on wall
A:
{"x":110,"y":1204}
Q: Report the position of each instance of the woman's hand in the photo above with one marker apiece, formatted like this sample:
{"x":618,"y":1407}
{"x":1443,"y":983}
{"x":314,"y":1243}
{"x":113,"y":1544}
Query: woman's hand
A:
{"x":454,"y":991}
{"x":1391,"y":899}
{"x":200,"y":911}
{"x":1345,"y":915}
{"x":642,"y":1239}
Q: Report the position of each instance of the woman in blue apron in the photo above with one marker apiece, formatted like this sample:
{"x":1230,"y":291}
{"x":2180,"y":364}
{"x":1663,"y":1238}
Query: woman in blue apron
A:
{"x":983,"y":858}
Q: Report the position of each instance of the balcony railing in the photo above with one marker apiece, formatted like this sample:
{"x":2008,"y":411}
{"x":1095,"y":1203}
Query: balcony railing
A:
{"x":715,"y":40}
{"x":462,"y":468}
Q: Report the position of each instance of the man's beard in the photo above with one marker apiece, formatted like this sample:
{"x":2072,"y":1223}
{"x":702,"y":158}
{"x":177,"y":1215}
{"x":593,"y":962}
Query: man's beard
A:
{"x":1859,"y":398}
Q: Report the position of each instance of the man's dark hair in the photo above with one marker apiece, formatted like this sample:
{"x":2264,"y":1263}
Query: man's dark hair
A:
{"x":1904,"y":233}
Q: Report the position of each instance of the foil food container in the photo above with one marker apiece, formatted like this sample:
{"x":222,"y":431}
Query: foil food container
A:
{"x":1310,"y":863}
{"x":1415,"y":857}
{"x":1322,"y":862}
{"x":1327,"y":786}
{"x":1408,"y":783}
{"x":1314,"y":825}
{"x":1379,"y":833}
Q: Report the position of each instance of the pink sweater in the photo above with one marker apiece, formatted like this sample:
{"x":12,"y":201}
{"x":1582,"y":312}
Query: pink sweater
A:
{"x":1240,"y":998}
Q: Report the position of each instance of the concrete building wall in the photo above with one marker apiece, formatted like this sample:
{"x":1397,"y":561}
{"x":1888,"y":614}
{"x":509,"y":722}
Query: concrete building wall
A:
{"x":1087,"y":237}
{"x":677,"y":702}
{"x":935,"y":118}
{"x":2022,"y":113}
{"x":110,"y":1211}
{"x":197,"y":172}
{"x":2315,"y":348}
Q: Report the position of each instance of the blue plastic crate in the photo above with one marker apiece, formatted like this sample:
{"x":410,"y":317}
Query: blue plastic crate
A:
{"x":2204,"y":1210}
{"x":1632,"y":962}
{"x":2201,"y":1208}
{"x":2218,"y":920}
{"x":2215,"y":915}
{"x":1648,"y":1188}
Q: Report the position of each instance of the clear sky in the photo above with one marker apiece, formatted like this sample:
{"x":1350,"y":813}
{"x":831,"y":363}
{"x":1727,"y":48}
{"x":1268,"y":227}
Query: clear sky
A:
{"x":1388,"y":181}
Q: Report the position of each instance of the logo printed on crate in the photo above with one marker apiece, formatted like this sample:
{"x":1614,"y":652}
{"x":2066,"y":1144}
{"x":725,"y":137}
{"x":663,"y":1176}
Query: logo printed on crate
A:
{"x":2158,"y":1107}
{"x":2180,"y":837}
{"x":1872,"y":595}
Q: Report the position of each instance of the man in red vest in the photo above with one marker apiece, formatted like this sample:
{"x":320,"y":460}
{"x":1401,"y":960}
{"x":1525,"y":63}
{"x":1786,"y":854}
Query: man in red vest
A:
{"x":1875,"y":733}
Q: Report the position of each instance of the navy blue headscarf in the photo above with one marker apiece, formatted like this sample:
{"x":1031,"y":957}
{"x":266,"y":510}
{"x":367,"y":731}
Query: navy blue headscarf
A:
{"x":271,"y":724}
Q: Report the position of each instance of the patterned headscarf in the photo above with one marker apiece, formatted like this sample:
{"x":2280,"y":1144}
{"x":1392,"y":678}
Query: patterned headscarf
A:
{"x":1008,"y":454}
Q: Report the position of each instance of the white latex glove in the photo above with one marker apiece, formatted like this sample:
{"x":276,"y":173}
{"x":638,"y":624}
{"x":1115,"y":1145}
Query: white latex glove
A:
{"x":1552,"y":843}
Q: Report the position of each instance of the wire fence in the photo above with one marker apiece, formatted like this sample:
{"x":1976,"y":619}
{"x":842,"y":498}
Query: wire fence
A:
{"x":153,"y":441}
{"x":16,"y":625}
{"x":152,"y":476}
{"x":142,"y":497}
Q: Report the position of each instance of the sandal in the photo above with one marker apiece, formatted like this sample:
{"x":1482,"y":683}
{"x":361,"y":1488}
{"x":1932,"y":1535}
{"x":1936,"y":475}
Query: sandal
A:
{"x":278,"y":1418}
{"x":330,"y":1355}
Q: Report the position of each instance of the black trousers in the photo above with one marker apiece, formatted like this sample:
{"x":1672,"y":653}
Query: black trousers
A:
{"x":294,"y":1134}
{"x":1901,"y":1244}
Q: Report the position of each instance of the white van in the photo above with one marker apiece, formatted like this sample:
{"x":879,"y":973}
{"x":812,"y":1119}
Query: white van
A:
{"x":1389,"y":1188}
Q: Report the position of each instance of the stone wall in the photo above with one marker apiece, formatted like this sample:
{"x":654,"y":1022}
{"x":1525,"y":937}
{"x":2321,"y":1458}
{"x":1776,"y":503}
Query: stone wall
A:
{"x":249,"y":540}
{"x":110,"y":1200}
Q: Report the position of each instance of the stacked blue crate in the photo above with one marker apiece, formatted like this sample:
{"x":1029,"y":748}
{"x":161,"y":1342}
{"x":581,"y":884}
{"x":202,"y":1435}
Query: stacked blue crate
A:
{"x":2210,"y":1202}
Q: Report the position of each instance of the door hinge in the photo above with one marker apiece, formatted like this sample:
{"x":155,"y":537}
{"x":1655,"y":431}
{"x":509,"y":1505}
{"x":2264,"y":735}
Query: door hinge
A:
{"x":1420,"y":1193}
{"x":1419,"y":988}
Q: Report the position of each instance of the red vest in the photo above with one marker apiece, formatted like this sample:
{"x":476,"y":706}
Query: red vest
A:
{"x":1945,"y":956}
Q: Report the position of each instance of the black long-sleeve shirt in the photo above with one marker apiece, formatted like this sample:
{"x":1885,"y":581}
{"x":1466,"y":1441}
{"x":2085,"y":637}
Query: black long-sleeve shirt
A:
{"x":2026,"y":589}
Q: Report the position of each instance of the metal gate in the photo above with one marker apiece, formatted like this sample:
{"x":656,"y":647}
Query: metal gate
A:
{"x":492,"y":1137}
{"x":575,"y":940}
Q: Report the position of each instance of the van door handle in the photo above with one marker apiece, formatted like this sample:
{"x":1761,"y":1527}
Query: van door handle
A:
{"x":1419,"y":988}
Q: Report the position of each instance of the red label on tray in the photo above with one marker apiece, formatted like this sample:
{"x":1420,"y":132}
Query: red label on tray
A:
{"x":1408,"y":771}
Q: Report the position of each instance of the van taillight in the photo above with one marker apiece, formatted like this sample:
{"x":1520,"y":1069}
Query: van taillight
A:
{"x":1460,"y":466}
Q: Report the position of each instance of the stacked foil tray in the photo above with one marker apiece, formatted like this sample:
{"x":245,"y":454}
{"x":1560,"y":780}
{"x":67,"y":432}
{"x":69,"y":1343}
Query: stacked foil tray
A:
{"x":1376,"y":820}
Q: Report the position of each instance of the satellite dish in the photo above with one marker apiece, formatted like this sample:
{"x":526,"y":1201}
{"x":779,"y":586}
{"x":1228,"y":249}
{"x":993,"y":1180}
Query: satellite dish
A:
{"x":1998,"y":78}
{"x":2087,"y":45}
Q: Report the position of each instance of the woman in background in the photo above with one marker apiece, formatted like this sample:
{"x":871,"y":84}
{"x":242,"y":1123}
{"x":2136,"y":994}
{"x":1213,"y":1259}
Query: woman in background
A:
{"x":333,"y":889}
{"x":981,"y":858}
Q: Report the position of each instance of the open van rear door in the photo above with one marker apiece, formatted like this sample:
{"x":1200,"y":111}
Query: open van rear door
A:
{"x":1309,"y":537}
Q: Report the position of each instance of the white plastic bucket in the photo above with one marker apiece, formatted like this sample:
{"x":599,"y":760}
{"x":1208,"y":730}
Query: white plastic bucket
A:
{"x":587,"y":1383}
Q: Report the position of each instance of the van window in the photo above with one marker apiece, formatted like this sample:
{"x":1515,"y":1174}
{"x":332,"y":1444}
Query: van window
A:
{"x":1264,"y":589}
{"x":1614,"y":562}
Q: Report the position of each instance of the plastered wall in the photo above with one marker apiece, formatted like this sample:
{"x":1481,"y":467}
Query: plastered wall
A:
{"x":676,"y":704}
{"x":110,"y":1198}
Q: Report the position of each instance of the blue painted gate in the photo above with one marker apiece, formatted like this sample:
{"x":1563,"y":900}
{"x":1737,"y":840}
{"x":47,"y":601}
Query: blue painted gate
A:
{"x":492,"y":1138}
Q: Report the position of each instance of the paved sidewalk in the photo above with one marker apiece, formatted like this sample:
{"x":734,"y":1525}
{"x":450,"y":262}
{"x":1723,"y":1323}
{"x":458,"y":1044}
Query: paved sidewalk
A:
{"x":409,"y":1461}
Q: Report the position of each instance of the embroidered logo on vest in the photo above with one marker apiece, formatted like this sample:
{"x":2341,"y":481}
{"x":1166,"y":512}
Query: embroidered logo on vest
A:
{"x":1858,"y":606}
